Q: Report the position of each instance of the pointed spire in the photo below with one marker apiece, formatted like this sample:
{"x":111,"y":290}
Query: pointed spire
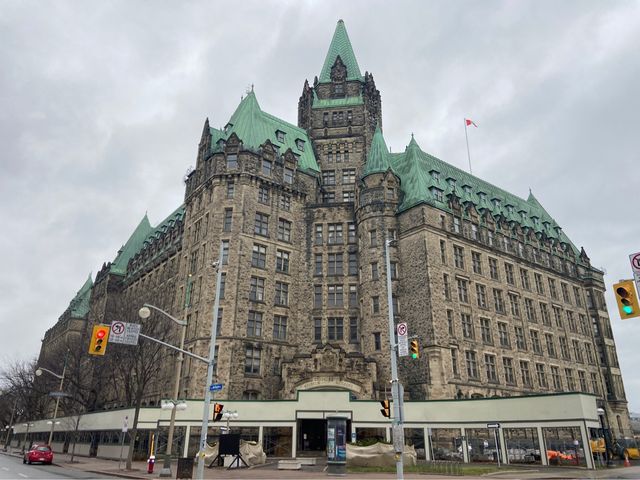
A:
{"x":340,"y":47}
{"x":377,"y":160}
{"x":132,"y":246}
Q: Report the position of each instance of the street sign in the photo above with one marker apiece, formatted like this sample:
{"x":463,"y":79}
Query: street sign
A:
{"x":493,"y":425}
{"x":403,"y":342}
{"x":59,"y":394}
{"x":123,"y":332}
{"x":215,"y":387}
{"x":634,"y":258}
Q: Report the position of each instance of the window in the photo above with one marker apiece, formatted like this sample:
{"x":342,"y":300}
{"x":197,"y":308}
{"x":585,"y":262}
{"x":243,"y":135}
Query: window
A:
{"x":288,"y":175}
{"x":565,"y":292}
{"x":498,"y":300}
{"x":328,"y":177}
{"x":571,"y":320}
{"x":282,"y":294}
{"x":503,"y":333}
{"x":348,"y":176}
{"x":317,"y":330}
{"x":564,"y":348}
{"x":588,"y":348}
{"x":485,"y":329}
{"x":353,"y":263}
{"x":490,"y":238}
{"x":228,"y":218}
{"x":437,"y":194}
{"x":393,"y":270}
{"x":490,"y":368}
{"x":349,"y":196}
{"x":458,"y":256}
{"x":317,"y":296}
{"x":463,"y":292}
{"x":375,"y":275}
{"x":232,"y":160}
{"x":508,"y":271}
{"x":373,"y":238}
{"x":544,"y":310}
{"x":477,"y":263}
{"x":552,"y":289}
{"x":300,"y":144}
{"x":259,"y":256}
{"x":280,"y":136}
{"x":493,"y":269}
{"x":521,"y":343}
{"x":318,"y":264}
{"x":351,"y":228}
{"x":230,"y":188}
{"x":353,"y":296}
{"x":481,"y":294}
{"x":335,"y":233}
{"x":454,"y":362}
{"x":223,"y":282}
{"x":582,"y":378}
{"x":555,"y":378}
{"x":446,"y":286}
{"x":568,"y":373}
{"x":524,"y":279}
{"x":252,"y":360}
{"x":514,"y":302}
{"x":542,"y":375}
{"x":467,"y":325}
{"x":551,"y":345}
{"x":474,"y":232}
{"x":263,"y":194}
{"x":577,"y":296}
{"x":577,"y":351}
{"x":256,"y":290}
{"x":336,"y":295}
{"x":279,"y":327}
{"x":535,"y":342}
{"x":225,"y":252}
{"x":509,"y":377}
{"x":282,"y":261}
{"x":335,"y":329}
{"x":450,"y":323}
{"x":557,"y":313}
{"x":328,"y":197}
{"x":285,"y":202}
{"x":529,"y":310}
{"x":334,"y":264}
{"x":267,"y":167}
{"x":375,"y":304}
{"x":254,"y":324}
{"x":472,"y":364}
{"x":443,"y":252}
{"x":250,"y":395}
{"x":456,"y":224}
{"x":325,"y":119}
{"x":319,"y":234}
{"x":595,"y":384}
{"x":284,"y":230}
{"x":261,"y":224}
{"x":353,"y":330}
{"x":539,"y":285}
{"x":525,"y":373}
{"x":377,"y":343}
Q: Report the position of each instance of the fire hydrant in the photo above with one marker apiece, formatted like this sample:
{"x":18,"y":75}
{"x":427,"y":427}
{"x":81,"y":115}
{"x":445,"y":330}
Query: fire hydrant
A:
{"x":151,"y":462}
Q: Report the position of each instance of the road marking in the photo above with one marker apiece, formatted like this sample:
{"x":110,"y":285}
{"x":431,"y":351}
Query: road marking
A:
{"x":23,"y":475}
{"x":6,"y":469}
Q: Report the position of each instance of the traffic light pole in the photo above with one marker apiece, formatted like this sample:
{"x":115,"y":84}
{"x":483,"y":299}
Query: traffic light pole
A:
{"x":398,"y":427}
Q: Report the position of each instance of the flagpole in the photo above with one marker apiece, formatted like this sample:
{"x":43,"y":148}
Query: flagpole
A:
{"x":466,"y":136}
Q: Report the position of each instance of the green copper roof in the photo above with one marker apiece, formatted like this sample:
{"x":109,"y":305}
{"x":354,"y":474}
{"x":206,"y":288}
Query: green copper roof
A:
{"x":79,"y":306}
{"x":133,"y":245}
{"x":336,"y":102}
{"x":340,"y":46}
{"x":254,"y":127}
{"x":422,"y":175}
{"x":377,"y":160}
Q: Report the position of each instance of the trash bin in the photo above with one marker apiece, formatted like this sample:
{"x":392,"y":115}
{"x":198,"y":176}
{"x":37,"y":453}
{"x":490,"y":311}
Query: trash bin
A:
{"x":185,"y":468}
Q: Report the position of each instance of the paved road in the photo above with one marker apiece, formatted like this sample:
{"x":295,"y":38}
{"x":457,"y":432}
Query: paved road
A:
{"x":13,"y":468}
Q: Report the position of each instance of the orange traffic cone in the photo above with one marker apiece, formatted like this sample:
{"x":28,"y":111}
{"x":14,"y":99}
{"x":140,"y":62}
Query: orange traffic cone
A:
{"x":627,"y":463}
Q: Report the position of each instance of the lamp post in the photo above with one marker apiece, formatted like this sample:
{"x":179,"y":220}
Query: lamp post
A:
{"x":228,"y":415}
{"x":144,"y":313}
{"x":398,"y":428}
{"x":55,"y":410}
{"x":605,"y":434}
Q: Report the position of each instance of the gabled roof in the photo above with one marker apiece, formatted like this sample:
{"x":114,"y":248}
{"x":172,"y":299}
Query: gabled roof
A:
{"x":133,"y":245}
{"x":79,"y":306}
{"x":422,"y":174}
{"x":377,"y":159}
{"x":340,"y":46}
{"x":254,"y":127}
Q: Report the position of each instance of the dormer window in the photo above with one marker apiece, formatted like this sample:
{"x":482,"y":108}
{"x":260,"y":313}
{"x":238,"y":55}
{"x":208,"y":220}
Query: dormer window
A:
{"x":435,"y":175}
{"x":510,"y":208}
{"x":482,"y":195}
{"x":437,"y":194}
{"x":227,"y":127}
{"x":338,"y":89}
{"x":452,"y":182}
{"x":280,"y":136}
{"x":300,"y":144}
{"x":220,"y":143}
{"x":496,"y":202}
{"x":467,"y":189}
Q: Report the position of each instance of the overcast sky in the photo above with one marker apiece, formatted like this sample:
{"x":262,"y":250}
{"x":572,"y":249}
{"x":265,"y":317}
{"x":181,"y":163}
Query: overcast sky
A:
{"x":102,"y":105}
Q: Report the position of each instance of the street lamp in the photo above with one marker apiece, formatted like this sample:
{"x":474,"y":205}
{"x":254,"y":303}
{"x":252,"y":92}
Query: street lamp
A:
{"x":605,"y":433}
{"x":144,"y":313}
{"x":228,"y":415}
{"x":55,"y":410}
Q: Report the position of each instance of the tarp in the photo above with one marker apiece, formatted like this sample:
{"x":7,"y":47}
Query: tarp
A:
{"x":378,"y":455}
{"x":251,"y":452}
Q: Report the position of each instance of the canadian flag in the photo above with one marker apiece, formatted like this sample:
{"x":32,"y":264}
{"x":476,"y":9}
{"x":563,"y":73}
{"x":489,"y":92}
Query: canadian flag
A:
{"x":470,"y":122}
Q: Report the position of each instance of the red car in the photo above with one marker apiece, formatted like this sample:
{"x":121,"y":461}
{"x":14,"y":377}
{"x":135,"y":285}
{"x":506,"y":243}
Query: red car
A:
{"x":38,"y":453}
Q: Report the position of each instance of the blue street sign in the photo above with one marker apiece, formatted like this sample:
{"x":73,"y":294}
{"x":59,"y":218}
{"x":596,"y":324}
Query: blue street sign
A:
{"x":215,"y":387}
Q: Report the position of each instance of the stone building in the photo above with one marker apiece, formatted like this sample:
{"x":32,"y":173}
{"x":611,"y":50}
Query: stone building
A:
{"x":502,"y":302}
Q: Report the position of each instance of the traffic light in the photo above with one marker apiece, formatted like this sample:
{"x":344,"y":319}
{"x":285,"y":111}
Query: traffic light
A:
{"x":627,"y":299}
{"x":217,"y":411}
{"x":386,"y":408}
{"x":99,"y":340}
{"x":415,"y":349}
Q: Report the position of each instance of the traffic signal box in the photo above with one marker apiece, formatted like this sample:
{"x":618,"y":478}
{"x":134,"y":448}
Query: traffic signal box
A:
{"x":217,"y":411}
{"x":414,"y":348}
{"x":99,"y":340}
{"x":386,"y":408}
{"x":627,"y":299}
